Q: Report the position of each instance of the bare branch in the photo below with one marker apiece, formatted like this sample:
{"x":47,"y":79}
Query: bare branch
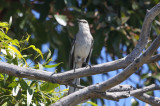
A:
{"x":89,"y":92}
{"x":120,"y":88}
{"x":154,"y":101}
{"x":145,"y":89}
{"x":154,"y":59}
{"x":63,"y":78}
{"x":138,"y":93}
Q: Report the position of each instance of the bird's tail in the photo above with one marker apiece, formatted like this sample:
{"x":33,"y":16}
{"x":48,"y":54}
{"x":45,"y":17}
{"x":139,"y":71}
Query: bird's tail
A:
{"x":73,"y":89}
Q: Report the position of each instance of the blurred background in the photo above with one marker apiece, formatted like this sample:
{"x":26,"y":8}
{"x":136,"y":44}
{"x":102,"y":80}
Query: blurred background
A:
{"x":115,"y":26}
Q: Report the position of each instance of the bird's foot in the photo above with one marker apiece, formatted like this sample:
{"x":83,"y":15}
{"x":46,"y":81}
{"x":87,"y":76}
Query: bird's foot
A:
{"x":86,"y":65}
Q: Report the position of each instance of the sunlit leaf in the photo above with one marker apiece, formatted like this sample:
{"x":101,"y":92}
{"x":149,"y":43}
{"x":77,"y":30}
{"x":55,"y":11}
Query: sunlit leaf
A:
{"x":49,"y":54}
{"x":92,"y":103}
{"x":36,"y":49}
{"x":15,"y":91}
{"x":30,"y":93}
{"x":10,"y":22}
{"x":28,"y":37}
{"x":65,"y":90}
{"x":14,"y":42}
{"x":40,"y":66}
{"x":51,"y":66}
{"x":16,"y":51}
{"x":61,"y":19}
{"x":2,"y":35}
{"x":13,"y":84}
{"x":5,"y":104}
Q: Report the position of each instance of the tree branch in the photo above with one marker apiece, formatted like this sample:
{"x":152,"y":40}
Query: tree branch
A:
{"x":63,"y":78}
{"x":90,"y":91}
{"x":154,"y":101}
{"x":122,"y":92}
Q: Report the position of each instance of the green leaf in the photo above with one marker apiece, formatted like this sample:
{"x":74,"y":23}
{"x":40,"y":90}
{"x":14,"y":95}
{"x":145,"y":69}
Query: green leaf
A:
{"x":3,"y":35}
{"x":27,"y":56}
{"x":157,"y":76}
{"x":14,"y":42}
{"x":4,"y":25}
{"x":49,"y":54}
{"x":5,"y":104}
{"x":10,"y":21}
{"x":36,"y":49}
{"x":13,"y":84}
{"x":134,"y":102}
{"x":16,"y":51}
{"x":40,"y":66}
{"x":28,"y":37}
{"x":23,"y":84}
{"x":33,"y":83}
{"x":135,"y":6}
{"x":124,"y":19}
{"x":92,"y":103}
{"x":15,"y":90}
{"x":48,"y":86}
{"x":30,"y":93}
{"x":61,"y":19}
{"x":51,"y":66}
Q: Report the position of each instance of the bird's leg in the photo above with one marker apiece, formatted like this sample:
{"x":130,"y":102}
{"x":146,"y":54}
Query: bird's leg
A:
{"x":75,"y":66}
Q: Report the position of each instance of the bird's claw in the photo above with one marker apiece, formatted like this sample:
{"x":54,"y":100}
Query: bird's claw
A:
{"x":86,"y":65}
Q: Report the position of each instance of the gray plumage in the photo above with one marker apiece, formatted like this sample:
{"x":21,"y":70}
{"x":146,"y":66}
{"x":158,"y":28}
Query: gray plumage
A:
{"x":81,"y":50}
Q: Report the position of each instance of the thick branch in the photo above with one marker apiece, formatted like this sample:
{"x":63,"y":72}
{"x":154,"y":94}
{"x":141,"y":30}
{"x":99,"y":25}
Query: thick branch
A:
{"x":62,"y":78}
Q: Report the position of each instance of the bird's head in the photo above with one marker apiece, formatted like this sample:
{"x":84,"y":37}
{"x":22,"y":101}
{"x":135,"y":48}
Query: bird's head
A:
{"x":83,"y":24}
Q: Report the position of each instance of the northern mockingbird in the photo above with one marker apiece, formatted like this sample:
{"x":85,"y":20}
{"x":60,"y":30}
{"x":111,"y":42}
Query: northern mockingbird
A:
{"x":81,"y":50}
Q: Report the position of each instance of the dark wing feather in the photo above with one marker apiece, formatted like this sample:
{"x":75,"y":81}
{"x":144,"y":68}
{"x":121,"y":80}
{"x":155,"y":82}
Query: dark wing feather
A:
{"x":71,"y":56}
{"x":89,"y":55}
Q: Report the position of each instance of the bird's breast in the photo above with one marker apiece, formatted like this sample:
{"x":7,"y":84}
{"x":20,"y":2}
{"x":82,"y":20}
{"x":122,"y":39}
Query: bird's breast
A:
{"x":83,"y":44}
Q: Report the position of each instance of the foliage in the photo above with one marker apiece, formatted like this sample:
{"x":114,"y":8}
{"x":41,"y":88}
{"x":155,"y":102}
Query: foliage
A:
{"x":18,"y":91}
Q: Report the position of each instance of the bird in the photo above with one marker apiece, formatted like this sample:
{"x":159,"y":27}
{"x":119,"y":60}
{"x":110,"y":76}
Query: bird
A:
{"x":81,"y":50}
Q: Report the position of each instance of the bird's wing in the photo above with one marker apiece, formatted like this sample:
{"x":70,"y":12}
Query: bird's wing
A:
{"x":89,"y":55}
{"x":71,"y":56}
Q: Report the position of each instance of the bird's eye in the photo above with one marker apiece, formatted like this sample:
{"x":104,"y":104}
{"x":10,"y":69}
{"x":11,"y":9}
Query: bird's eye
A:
{"x":84,"y":22}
